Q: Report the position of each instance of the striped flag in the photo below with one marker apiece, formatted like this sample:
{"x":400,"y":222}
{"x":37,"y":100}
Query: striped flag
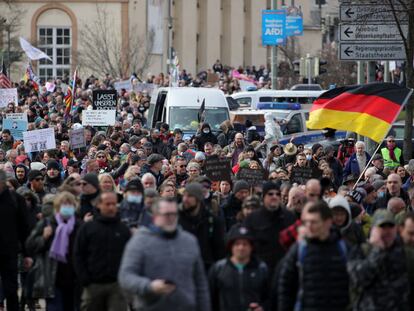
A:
{"x":29,"y":75}
{"x":368,"y":110}
{"x":5,"y":82}
{"x":70,"y":95}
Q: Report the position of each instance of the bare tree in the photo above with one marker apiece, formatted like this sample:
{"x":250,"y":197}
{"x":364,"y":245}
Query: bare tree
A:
{"x":286,"y":73}
{"x":11,"y":14}
{"x":337,"y":72}
{"x":102,"y":50}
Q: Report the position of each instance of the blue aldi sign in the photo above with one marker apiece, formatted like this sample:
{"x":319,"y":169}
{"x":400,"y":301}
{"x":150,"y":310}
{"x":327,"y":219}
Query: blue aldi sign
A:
{"x":273,"y":27}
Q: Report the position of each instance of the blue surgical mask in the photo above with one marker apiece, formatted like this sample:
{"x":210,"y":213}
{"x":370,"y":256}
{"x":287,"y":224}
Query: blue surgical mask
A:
{"x":381,"y":194}
{"x":67,"y":210}
{"x":308,"y":157}
{"x":134,"y":198}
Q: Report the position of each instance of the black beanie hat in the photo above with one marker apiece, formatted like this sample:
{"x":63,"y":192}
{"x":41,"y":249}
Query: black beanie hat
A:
{"x":34,"y":174}
{"x":92,"y":179}
{"x":53,"y":164}
{"x":134,"y":184}
{"x":270,"y":185}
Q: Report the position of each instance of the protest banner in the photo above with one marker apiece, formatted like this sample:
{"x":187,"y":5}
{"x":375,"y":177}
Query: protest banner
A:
{"x":142,"y":86}
{"x":251,"y":176}
{"x":104,"y":99}
{"x":124,"y":84}
{"x":8,"y":96}
{"x":300,"y":175}
{"x":39,"y":140}
{"x":217,"y":169}
{"x":16,"y":127}
{"x":77,"y":138}
{"x":98,"y":117}
{"x":17,"y":116}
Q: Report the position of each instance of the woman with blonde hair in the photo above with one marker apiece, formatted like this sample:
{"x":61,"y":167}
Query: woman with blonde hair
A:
{"x":106,"y":182}
{"x":51,"y":244}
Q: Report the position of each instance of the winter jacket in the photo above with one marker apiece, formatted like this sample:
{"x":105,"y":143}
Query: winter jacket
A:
{"x":304,"y":281}
{"x":383,"y":201}
{"x":159,"y":147}
{"x":224,"y":139}
{"x":158,"y":177}
{"x":87,"y":204}
{"x":208,"y":230}
{"x":252,"y":135}
{"x":150,"y":255}
{"x":203,"y":138}
{"x":232,"y":289}
{"x":98,"y":250}
{"x":130,"y":213}
{"x":46,"y":272}
{"x":52,"y":185}
{"x":265,"y":226}
{"x":230,"y":209}
{"x":352,"y":167}
{"x":337,"y":169}
{"x":14,"y":222}
{"x":379,"y":278}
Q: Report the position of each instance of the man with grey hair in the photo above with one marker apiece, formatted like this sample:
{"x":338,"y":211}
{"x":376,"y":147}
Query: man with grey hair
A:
{"x":358,"y":160}
{"x":149,"y":181}
{"x":13,"y":233}
{"x":396,"y":205}
{"x":162,"y":265}
{"x":410,"y":181}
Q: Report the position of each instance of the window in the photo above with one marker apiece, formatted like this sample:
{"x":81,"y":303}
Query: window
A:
{"x":294,"y":125}
{"x":244,"y":102}
{"x":56,"y":43}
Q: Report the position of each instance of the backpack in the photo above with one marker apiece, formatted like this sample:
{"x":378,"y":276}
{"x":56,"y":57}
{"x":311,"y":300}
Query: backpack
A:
{"x":302,"y":250}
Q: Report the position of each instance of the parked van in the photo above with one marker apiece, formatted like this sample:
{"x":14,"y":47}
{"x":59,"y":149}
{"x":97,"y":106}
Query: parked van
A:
{"x":273,"y":99}
{"x":180,"y":107}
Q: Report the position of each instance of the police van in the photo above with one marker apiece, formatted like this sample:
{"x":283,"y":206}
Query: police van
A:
{"x":180,"y":108}
{"x":291,"y":112}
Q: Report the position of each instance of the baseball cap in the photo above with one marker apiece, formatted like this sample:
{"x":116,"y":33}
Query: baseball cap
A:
{"x":382,"y":217}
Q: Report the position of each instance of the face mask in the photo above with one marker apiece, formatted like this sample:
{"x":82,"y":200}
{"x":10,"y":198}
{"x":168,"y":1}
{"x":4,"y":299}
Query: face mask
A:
{"x":67,"y":211}
{"x":206,"y":131}
{"x":308,"y":157}
{"x":134,"y":198}
{"x":381,"y":194}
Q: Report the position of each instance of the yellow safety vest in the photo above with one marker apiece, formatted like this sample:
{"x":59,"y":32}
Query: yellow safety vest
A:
{"x":388,"y":162}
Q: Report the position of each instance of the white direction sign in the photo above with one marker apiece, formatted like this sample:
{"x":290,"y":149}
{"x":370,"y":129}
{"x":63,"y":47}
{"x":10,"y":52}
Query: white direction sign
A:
{"x":372,"y":51}
{"x":360,"y":13}
{"x":371,"y":32}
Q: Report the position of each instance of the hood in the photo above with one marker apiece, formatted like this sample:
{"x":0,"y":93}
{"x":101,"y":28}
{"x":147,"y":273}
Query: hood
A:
{"x":269,"y":116}
{"x":340,"y":201}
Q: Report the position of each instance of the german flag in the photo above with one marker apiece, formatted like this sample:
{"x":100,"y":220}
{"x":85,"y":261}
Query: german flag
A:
{"x":368,"y":109}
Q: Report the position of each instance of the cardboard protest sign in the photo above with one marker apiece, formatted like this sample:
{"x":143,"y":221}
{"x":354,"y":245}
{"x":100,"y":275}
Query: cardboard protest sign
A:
{"x":8,"y":96}
{"x":104,"y":99}
{"x":252,"y":176}
{"x":98,"y":117}
{"x":77,"y":138}
{"x":300,"y":175}
{"x":39,"y":140}
{"x":16,"y":127}
{"x":217,"y":169}
{"x":17,"y":116}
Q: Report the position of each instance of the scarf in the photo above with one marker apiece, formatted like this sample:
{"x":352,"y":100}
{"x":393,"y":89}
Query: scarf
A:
{"x":60,"y":245}
{"x":392,"y":154}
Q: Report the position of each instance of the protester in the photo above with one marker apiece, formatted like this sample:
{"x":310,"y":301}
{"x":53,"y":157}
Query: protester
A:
{"x":98,"y":251}
{"x":162,"y":265}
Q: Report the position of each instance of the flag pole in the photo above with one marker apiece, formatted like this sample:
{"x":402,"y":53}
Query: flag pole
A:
{"x":379,"y":144}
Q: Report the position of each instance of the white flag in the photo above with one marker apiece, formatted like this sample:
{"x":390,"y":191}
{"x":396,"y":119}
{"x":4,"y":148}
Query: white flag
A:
{"x":32,"y":52}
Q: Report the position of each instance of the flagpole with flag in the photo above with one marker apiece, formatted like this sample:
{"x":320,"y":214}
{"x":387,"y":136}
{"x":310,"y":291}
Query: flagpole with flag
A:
{"x":5,"y":82}
{"x":379,"y":143}
{"x":70,"y":95}
{"x":369,"y":110}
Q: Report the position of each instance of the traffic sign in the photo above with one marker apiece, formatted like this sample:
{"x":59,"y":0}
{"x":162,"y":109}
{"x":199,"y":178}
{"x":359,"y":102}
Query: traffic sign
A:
{"x":371,"y":32}
{"x":361,"y":13}
{"x":372,"y":51}
{"x":273,"y":27}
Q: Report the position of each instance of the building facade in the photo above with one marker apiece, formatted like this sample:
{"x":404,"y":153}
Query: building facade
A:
{"x":199,"y":31}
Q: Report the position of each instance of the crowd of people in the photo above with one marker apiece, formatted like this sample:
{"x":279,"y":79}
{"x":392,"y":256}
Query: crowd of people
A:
{"x":133,"y":222}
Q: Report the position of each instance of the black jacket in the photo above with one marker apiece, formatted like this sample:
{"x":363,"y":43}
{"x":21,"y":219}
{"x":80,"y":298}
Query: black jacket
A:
{"x":232,"y":290}
{"x":209,"y":232}
{"x":230,"y":209}
{"x":98,"y":250}
{"x":324,"y":278}
{"x":383,"y":201}
{"x":147,"y":169}
{"x":87,"y":204}
{"x":159,"y":147}
{"x":14,"y":222}
{"x":203,"y":138}
{"x":265,"y":227}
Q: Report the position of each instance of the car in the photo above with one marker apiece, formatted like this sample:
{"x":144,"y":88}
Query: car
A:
{"x":306,"y":87}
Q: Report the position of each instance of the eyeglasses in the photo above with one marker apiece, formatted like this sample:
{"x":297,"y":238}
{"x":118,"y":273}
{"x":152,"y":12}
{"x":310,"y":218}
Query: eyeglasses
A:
{"x":271,"y":193}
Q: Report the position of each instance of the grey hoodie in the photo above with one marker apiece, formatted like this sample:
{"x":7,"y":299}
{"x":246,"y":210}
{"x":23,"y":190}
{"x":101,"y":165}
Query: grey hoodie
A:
{"x":149,"y":255}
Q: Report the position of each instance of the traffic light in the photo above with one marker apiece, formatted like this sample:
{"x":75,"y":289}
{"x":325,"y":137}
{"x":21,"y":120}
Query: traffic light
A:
{"x":300,"y":66}
{"x":318,"y":66}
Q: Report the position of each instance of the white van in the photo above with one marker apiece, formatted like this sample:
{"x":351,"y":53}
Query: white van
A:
{"x":180,"y":106}
{"x":274,"y":99}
